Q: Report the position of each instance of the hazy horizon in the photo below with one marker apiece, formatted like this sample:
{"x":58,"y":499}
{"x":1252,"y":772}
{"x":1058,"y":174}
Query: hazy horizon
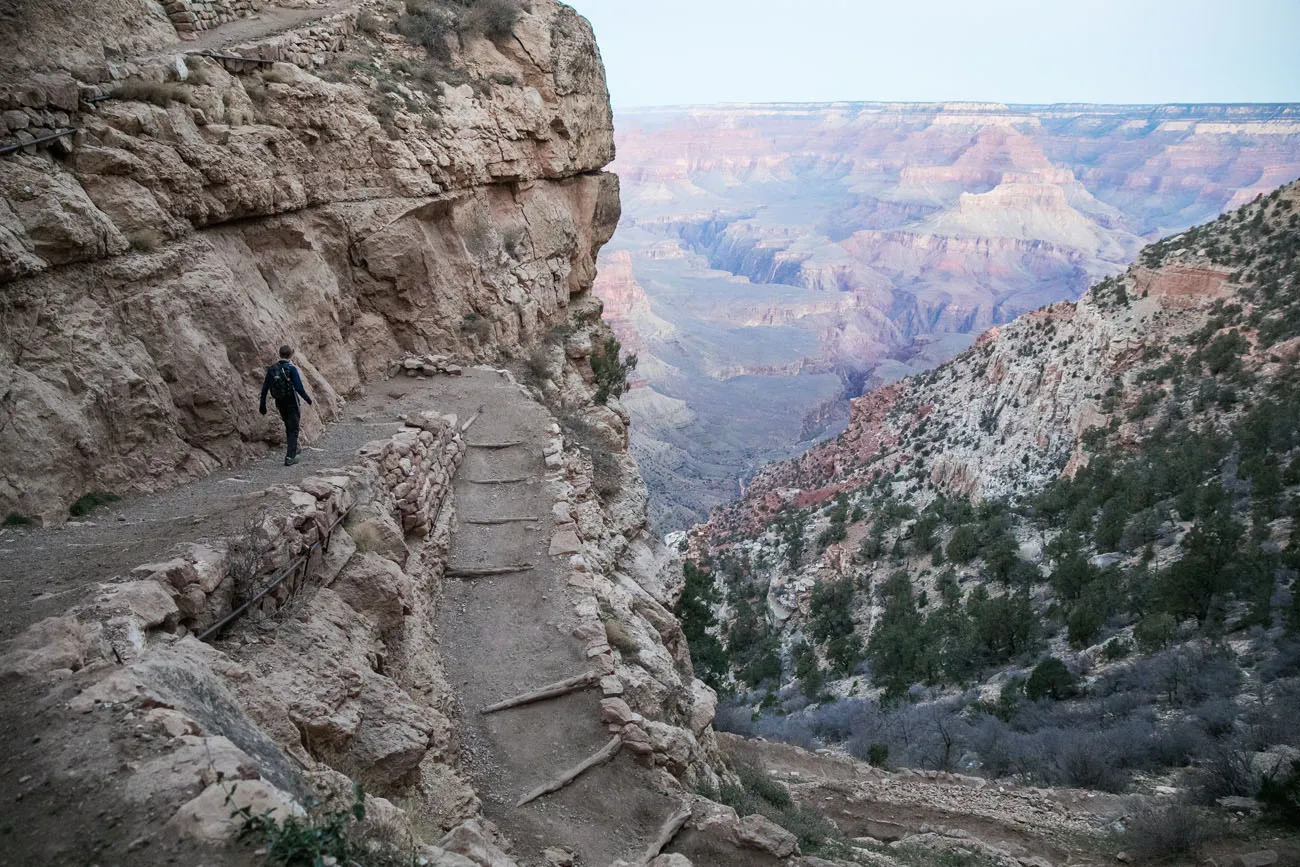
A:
{"x":627,"y":109}
{"x":1022,"y":52}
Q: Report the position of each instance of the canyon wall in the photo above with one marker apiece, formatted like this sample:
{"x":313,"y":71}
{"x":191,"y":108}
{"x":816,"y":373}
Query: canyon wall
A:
{"x":848,"y":245}
{"x":151,"y":263}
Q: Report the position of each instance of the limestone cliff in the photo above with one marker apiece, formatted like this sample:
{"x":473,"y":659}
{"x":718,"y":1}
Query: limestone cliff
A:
{"x":464,"y":615}
{"x":362,"y":202}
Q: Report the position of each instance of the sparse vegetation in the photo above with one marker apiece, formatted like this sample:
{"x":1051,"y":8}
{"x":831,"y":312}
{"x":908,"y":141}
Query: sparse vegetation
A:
{"x":441,"y":26}
{"x":1168,"y":831}
{"x":16,"y":519}
{"x":756,"y":792}
{"x":611,"y":372}
{"x":324,"y":836}
{"x":160,"y":93}
{"x":1181,"y":529}
{"x":476,"y":326}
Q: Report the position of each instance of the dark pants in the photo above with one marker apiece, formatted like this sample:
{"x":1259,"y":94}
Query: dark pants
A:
{"x":288,"y":410}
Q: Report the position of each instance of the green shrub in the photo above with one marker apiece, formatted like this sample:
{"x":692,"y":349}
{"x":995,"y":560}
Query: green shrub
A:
{"x":17,"y":519}
{"x":964,"y":544}
{"x":304,"y":842}
{"x":93,"y":500}
{"x":611,"y":373}
{"x":1050,"y":679}
{"x":1116,"y":649}
{"x":878,"y":755}
{"x":1279,"y":793}
{"x":756,"y":792}
{"x":695,"y":611}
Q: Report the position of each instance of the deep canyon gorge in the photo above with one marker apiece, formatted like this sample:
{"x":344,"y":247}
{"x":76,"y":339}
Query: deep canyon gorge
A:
{"x":775,"y":260}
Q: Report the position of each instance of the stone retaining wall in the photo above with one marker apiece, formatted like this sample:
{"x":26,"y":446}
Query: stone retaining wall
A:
{"x":305,"y":47}
{"x":408,"y":475}
{"x":193,"y":16}
{"x":40,"y":106}
{"x":47,"y":103}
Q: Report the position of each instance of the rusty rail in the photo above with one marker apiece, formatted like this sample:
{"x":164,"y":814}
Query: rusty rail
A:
{"x":51,"y":137}
{"x":295,"y":573}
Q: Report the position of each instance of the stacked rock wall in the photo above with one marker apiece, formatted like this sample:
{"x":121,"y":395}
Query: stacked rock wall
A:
{"x":415,"y":469}
{"x":194,"y":16}
{"x":407,"y":476}
{"x":305,"y":47}
{"x":38,"y":107}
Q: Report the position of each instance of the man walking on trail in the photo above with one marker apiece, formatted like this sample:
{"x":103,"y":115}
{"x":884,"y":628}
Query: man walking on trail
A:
{"x":284,"y":384}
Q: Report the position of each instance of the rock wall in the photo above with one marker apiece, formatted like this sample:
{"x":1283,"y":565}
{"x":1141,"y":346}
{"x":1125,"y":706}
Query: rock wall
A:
{"x":406,"y":479}
{"x":148,"y":275}
{"x":193,"y":16}
{"x":350,"y":682}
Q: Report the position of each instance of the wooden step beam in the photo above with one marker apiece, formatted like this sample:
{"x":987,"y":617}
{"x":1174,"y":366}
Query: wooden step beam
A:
{"x":486,"y":571}
{"x":667,"y":832}
{"x":606,"y":753}
{"x":551,"y":690}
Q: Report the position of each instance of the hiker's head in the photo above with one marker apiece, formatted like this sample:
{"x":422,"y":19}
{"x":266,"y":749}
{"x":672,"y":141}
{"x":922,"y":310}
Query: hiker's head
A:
{"x":286,"y":351}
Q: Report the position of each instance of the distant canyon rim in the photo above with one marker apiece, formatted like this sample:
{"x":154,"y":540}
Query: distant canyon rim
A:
{"x":774,"y":261}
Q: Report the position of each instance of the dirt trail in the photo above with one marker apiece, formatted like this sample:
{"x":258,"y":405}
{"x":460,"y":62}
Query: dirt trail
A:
{"x":267,"y":22}
{"x":44,"y":572}
{"x":508,"y":634}
{"x":863,"y":802}
{"x":500,"y":636}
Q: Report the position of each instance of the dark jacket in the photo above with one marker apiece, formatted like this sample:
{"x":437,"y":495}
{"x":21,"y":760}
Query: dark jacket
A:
{"x":293,"y":377}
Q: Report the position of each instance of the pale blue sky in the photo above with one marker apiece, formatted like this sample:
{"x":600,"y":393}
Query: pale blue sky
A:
{"x":674,"y":52}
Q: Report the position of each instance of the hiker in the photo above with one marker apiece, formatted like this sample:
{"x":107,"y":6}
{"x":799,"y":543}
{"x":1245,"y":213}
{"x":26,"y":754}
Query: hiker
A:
{"x":284,"y":384}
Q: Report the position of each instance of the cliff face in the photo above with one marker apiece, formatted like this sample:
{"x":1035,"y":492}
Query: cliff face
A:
{"x":888,"y":235}
{"x":360,"y":208}
{"x":390,"y":187}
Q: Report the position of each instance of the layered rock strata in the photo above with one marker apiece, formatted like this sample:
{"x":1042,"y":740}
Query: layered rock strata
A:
{"x":202,"y":218}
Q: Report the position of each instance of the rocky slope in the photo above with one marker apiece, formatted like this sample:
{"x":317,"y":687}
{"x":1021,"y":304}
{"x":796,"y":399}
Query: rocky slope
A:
{"x":853,"y":244}
{"x":362,"y":202}
{"x":1088,"y":515}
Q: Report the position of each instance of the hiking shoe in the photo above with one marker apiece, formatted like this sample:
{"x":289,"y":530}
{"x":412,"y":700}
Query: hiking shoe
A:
{"x":288,"y":462}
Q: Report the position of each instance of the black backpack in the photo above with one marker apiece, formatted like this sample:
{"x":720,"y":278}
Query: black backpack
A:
{"x":281,"y":381}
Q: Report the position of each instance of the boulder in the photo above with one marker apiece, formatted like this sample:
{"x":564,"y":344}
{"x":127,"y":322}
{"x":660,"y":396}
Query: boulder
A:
{"x":183,"y":773}
{"x":377,"y":588}
{"x":374,"y":530}
{"x":471,"y":840}
{"x":53,"y":643}
{"x":761,"y":833}
{"x":209,"y":817}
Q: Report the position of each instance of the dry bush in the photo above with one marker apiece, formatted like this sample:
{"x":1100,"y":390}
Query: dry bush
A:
{"x":145,"y":240}
{"x":1175,"y":829}
{"x":279,"y":75}
{"x":161,"y":93}
{"x":537,"y":366}
{"x":369,"y":23}
{"x":606,"y":474}
{"x":494,"y":19}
